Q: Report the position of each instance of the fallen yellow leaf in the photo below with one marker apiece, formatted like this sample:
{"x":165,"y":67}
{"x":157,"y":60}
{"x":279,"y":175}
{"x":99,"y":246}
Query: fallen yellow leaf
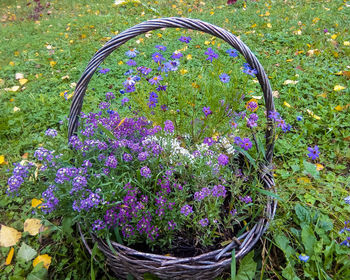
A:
{"x":269,"y":25}
{"x":324,"y":95}
{"x":346,"y":43}
{"x":319,"y":166}
{"x":304,"y":180}
{"x":338,"y":108}
{"x":10,"y":256}
{"x":338,"y":88}
{"x":334,"y":36}
{"x":206,"y":43}
{"x":286,"y":104}
{"x":46,"y":259}
{"x":287,"y":82}
{"x":189,"y":57}
{"x":120,"y":62}
{"x":9,"y":236}
{"x":183,"y":71}
{"x":2,"y":159}
{"x":313,"y":115}
{"x":36,"y":202}
{"x":53,"y":63}
{"x":13,"y":89}
{"x":32,"y":226}
{"x":23,"y":81}
{"x":11,"y":63}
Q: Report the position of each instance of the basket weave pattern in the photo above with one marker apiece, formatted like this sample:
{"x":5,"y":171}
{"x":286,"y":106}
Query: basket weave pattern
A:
{"x":124,"y":260}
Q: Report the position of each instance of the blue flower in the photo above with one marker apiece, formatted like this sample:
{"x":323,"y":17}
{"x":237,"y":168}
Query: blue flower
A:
{"x":299,"y":118}
{"x":232,"y":52}
{"x":132,"y":53}
{"x":347,"y":199}
{"x":185,"y":39}
{"x":249,"y":70}
{"x":303,"y":257}
{"x":224,"y":78}
{"x":161,"y":48}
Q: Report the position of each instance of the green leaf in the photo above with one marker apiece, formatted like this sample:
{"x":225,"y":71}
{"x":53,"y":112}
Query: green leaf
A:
{"x":38,"y":273}
{"x":268,"y":193}
{"x":302,"y":213}
{"x":310,"y":168}
{"x":26,"y":252}
{"x":282,"y":242}
{"x":233,"y":265}
{"x":289,"y":273}
{"x":309,"y":239}
{"x":247,"y":268}
{"x":150,"y":276}
{"x":106,"y":131}
{"x":67,"y":223}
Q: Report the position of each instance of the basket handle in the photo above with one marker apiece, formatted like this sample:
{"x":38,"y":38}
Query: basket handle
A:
{"x":174,"y":22}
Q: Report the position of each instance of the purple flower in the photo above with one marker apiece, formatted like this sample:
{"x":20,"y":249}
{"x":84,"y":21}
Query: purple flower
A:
{"x":161,"y":48}
{"x":98,"y":225}
{"x":232,"y":52}
{"x":224,"y":78}
{"x":127,"y":157}
{"x":211,"y":54}
{"x":127,"y":231}
{"x":325,"y":30}
{"x":246,"y":144}
{"x":104,"y":70}
{"x":252,"y":120}
{"x":124,"y":100}
{"x":171,"y":225}
{"x":223,"y":159}
{"x":143,"y":156}
{"x":203,"y":193}
{"x":168,"y":126}
{"x":176,"y":55}
{"x":204,"y":222}
{"x":109,"y":96}
{"x":207,"y":111}
{"x":155,"y":80}
{"x":145,"y":172}
{"x":218,"y":191}
{"x":131,"y":53}
{"x":274,"y":115}
{"x":104,"y":105}
{"x":209,"y":141}
{"x":249,"y":70}
{"x":185,"y":39}
{"x":247,"y":199}
{"x":186,"y":210}
{"x":131,"y":62}
{"x":233,"y":212}
{"x":161,"y":88}
{"x":173,"y":65}
{"x":314,"y":152}
{"x":144,"y":70}
{"x":303,"y":257}
{"x":51,"y":132}
{"x":14,"y":182}
{"x":111,"y":162}
{"x":157,"y":57}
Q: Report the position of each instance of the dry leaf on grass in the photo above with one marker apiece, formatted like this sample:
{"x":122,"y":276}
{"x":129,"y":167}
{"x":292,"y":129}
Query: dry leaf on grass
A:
{"x":32,"y":226}
{"x":9,"y":236}
{"x":46,"y":259}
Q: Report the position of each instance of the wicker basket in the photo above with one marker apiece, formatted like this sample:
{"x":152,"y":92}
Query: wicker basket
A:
{"x":125,"y":261}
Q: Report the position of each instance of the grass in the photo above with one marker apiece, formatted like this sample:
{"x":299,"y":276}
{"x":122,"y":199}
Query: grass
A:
{"x":52,"y":44}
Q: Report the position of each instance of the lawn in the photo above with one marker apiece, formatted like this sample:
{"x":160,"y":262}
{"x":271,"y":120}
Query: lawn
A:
{"x":304,"y":47}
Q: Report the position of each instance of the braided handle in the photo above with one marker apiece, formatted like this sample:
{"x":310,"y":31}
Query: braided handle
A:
{"x":174,"y":22}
